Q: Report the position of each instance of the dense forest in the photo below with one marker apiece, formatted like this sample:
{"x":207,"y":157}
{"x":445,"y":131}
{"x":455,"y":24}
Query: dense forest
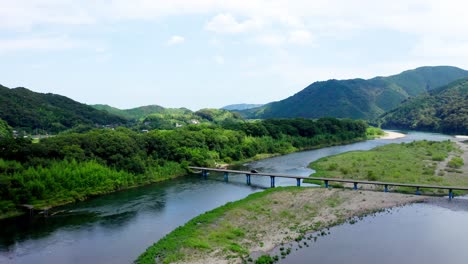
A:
{"x":74,"y":166}
{"x":136,"y":113}
{"x":5,"y":129}
{"x":29,"y":111}
{"x":442,"y":110}
{"x":358,"y":98}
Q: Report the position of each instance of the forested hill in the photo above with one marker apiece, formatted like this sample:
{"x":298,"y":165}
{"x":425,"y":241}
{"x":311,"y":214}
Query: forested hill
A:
{"x":240,"y":106}
{"x":27,"y":110}
{"x":358,"y":98}
{"x":442,"y":110}
{"x":138,"y":112}
{"x":5,"y":130}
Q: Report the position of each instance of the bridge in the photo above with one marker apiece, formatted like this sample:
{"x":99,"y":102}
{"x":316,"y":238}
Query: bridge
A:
{"x":327,"y":181}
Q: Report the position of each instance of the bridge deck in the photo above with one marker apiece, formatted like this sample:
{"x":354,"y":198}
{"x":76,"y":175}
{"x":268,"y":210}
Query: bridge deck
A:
{"x":334,"y":179}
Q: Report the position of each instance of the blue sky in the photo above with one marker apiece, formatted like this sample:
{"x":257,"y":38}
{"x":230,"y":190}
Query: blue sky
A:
{"x":205,"y":53}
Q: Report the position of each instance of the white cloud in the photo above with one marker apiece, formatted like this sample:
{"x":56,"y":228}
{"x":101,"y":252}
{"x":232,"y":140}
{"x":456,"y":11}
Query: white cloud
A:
{"x":38,"y":44}
{"x":270,"y":39}
{"x":175,"y":40}
{"x":296,"y":37}
{"x":226,"y":23}
{"x":24,"y":14}
{"x":219,"y":59}
{"x":442,"y":48}
{"x":300,"y":37}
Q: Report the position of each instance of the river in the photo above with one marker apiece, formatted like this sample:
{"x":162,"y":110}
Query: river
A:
{"x":116,"y":228}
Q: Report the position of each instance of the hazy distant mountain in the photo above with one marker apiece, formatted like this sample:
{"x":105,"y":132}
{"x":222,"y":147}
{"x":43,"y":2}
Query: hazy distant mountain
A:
{"x":358,"y":98}
{"x":444,"y":109}
{"x":28,"y":110}
{"x":240,"y":106}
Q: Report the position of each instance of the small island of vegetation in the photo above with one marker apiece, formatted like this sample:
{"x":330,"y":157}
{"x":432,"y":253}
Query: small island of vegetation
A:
{"x":423,"y":162}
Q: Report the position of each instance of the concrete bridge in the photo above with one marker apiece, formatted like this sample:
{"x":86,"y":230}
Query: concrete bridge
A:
{"x":327,"y":181}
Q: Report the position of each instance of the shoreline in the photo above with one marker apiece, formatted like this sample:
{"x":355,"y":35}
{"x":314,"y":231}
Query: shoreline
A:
{"x":40,"y":210}
{"x":18,"y":212}
{"x":392,"y":135}
{"x":265,"y":221}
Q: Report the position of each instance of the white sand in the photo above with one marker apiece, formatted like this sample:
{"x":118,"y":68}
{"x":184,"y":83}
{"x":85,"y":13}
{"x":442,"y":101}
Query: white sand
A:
{"x":461,"y":137}
{"x":392,"y":135}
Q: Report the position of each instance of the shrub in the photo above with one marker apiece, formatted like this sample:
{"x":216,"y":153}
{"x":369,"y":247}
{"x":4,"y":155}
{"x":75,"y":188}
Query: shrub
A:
{"x":456,"y":162}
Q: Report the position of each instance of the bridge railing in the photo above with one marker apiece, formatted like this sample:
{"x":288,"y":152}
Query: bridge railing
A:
{"x":327,"y":181}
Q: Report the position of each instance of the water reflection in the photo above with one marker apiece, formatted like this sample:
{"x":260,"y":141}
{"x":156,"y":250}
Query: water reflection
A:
{"x":418,"y":233}
{"x":116,"y":228}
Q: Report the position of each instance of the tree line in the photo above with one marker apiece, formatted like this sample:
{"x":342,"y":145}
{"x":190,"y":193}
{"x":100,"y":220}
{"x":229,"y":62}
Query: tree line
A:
{"x":74,"y":166}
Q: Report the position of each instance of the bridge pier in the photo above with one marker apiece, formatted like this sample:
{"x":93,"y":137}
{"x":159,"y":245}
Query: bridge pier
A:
{"x":205,"y":171}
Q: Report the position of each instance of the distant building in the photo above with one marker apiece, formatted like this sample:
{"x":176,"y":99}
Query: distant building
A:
{"x":194,"y":121}
{"x":145,"y":130}
{"x":178,"y":125}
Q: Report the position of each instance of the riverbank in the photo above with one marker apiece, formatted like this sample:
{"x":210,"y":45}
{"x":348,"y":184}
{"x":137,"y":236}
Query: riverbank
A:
{"x":392,"y":135}
{"x":262,"y":221}
{"x":43,"y":207}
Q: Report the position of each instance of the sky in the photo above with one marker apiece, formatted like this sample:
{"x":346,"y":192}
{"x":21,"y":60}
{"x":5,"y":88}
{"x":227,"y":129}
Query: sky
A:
{"x":208,"y":54}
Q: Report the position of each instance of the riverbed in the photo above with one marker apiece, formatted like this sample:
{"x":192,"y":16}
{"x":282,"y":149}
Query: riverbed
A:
{"x":116,"y":228}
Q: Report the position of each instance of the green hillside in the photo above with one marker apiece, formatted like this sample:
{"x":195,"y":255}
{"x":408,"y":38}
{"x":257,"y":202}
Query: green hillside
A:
{"x":5,"y":130}
{"x":135,"y":113}
{"x":240,"y":106}
{"x":444,"y":109}
{"x":358,"y":98}
{"x":173,"y":118}
{"x":26,"y":110}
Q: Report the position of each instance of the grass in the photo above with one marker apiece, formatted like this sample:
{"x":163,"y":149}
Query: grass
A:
{"x":230,"y":231}
{"x":275,"y":217}
{"x":414,"y":162}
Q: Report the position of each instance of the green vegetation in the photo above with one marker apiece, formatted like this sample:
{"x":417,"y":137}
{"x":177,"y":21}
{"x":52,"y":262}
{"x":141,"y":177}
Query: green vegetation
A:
{"x":263,"y":220}
{"x":374,"y":132}
{"x":414,"y":162}
{"x":114,"y":159}
{"x":29,"y":111}
{"x":5,"y":130}
{"x":69,"y":181}
{"x":442,"y":110}
{"x":140,"y":113}
{"x":358,"y":98}
{"x":456,"y":162}
{"x":231,"y":230}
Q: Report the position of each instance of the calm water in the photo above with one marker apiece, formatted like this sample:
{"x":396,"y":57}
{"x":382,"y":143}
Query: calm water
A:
{"x":117,"y":228}
{"x":430,"y":233}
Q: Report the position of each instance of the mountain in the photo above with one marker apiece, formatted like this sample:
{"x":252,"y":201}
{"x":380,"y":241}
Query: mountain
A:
{"x":27,"y":110}
{"x":358,"y":98}
{"x":240,"y":106}
{"x":142,"y":111}
{"x":444,"y":109}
